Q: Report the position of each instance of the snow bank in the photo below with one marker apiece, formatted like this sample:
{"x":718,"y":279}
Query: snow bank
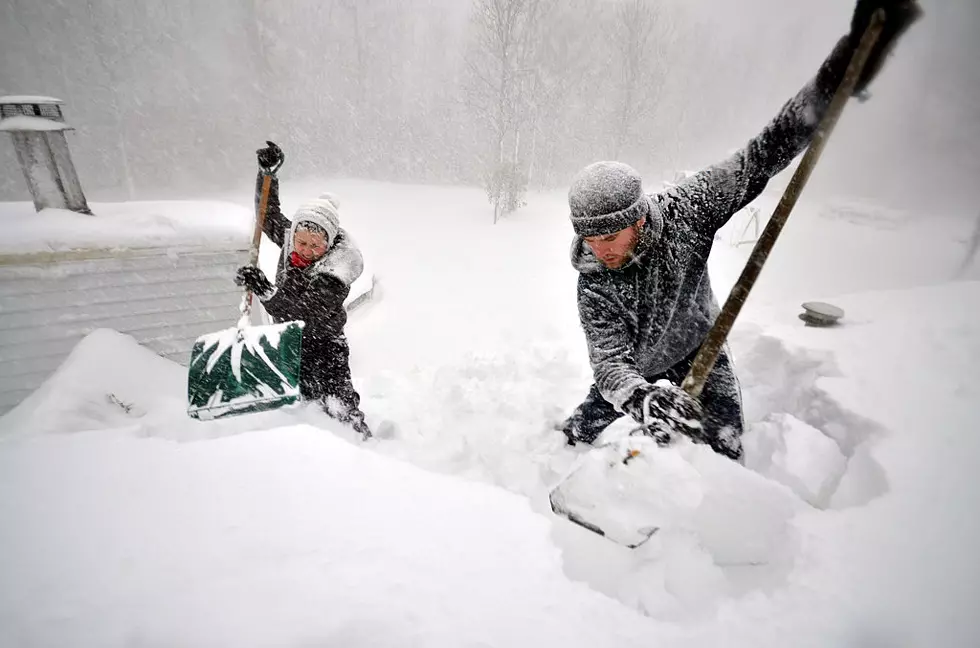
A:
{"x":735,"y":515}
{"x":107,"y":381}
{"x":283,"y":537}
{"x":124,"y":225}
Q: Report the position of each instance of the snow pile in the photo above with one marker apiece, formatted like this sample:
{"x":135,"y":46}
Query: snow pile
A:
{"x":124,"y":225}
{"x":797,"y":455}
{"x":735,"y":515}
{"x":107,"y":381}
{"x":283,"y":537}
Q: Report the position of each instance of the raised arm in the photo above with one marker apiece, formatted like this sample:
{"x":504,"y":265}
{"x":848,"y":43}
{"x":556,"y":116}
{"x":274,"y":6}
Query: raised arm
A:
{"x":276,"y":224}
{"x":270,"y":159}
{"x":719,"y":191}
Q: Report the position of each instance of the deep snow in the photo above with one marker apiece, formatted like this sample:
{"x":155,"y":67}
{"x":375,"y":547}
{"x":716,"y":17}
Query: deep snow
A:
{"x":344,"y":547}
{"x":124,"y":521}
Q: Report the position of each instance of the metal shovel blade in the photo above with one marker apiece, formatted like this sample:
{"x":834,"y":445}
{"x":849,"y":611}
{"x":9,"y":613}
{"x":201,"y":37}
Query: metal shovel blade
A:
{"x":630,"y":537}
{"x":616,"y":491}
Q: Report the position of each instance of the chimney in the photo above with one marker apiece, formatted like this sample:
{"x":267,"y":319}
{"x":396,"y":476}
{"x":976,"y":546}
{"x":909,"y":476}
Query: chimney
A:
{"x":38,"y":127}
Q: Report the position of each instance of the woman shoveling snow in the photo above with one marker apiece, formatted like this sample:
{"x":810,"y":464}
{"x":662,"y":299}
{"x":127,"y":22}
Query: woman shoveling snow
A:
{"x":317,"y":264}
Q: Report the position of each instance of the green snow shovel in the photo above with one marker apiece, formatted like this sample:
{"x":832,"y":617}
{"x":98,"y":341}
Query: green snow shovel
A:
{"x":246,"y":368}
{"x":602,"y":492}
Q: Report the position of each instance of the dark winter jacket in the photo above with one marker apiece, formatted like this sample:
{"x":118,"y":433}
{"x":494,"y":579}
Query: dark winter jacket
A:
{"x":656,"y":310}
{"x":314,"y":294}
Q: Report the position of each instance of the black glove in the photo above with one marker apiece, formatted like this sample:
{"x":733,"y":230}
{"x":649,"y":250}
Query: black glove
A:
{"x":665,"y":410}
{"x":256,"y":281}
{"x":270,"y":158}
{"x":899,"y":16}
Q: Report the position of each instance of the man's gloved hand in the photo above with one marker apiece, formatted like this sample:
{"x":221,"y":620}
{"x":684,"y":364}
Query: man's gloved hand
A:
{"x":666,"y":410}
{"x":256,"y":281}
{"x":270,"y":158}
{"x":899,"y":16}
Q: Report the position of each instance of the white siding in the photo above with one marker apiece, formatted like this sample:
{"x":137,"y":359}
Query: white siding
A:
{"x":164,"y":298}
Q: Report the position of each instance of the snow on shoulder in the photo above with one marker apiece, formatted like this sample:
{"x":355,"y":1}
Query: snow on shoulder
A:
{"x":123,"y":225}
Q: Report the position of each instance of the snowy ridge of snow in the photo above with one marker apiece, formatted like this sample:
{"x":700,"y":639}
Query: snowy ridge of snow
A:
{"x":29,"y":99}
{"x":124,"y":225}
{"x":31,"y":123}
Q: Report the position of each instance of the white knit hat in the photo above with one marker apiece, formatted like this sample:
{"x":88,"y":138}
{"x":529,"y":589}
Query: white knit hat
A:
{"x":321,"y":212}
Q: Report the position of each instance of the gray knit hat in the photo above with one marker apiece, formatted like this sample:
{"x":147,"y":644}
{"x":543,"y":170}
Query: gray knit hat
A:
{"x":606,"y":197}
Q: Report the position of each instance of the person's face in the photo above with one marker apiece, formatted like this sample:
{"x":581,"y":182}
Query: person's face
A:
{"x":309,"y":245}
{"x":615,"y":249}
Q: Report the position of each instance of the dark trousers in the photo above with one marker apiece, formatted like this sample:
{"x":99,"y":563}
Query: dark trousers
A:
{"x":325,"y":376}
{"x":721,"y":400}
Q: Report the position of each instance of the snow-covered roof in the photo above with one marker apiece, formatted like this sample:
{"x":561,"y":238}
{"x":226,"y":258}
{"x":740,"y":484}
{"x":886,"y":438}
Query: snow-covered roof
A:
{"x":124,"y":225}
{"x":32,"y":123}
{"x":29,"y":99}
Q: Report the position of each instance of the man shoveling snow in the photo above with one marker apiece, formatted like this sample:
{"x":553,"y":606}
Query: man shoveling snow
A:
{"x":644,"y":297}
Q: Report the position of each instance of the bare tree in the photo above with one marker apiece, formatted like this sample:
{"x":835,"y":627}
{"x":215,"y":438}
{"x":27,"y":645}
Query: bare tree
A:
{"x":565,"y":72}
{"x":971,"y":252}
{"x":500,"y":89}
{"x":641,"y":35}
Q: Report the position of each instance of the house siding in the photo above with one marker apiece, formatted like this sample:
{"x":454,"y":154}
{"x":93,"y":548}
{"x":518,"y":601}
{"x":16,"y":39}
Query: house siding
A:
{"x":164,"y":297}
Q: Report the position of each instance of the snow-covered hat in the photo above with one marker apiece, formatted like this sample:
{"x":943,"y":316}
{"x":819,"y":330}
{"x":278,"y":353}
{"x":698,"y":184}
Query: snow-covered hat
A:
{"x":606,"y":197}
{"x":321,"y":213}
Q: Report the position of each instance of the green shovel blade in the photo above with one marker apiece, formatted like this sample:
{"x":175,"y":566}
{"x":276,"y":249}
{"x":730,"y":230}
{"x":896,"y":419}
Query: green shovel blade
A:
{"x":242,"y":370}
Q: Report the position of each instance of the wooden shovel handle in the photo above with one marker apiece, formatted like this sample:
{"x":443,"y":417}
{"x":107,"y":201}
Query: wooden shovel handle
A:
{"x":704,"y":362}
{"x":253,"y":250}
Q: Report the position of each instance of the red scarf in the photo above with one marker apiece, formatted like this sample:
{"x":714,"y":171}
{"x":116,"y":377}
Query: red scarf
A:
{"x":298,"y":262}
